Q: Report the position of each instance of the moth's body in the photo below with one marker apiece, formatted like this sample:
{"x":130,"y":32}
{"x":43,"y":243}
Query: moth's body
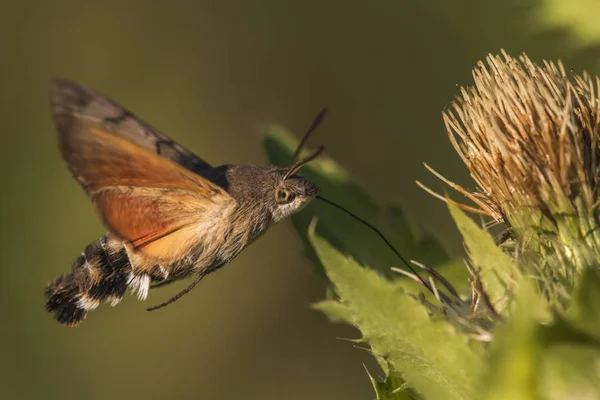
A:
{"x":225,"y":231}
{"x":168,"y":213}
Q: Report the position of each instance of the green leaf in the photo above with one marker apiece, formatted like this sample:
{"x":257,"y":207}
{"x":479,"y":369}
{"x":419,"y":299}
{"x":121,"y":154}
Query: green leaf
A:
{"x":429,"y":354}
{"x":336,"y":311}
{"x":569,"y":359}
{"x":389,"y":389}
{"x":585,"y":311}
{"x":496,"y":270}
{"x":531,"y":360}
{"x":341,"y":230}
{"x":568,"y":366}
{"x":570,"y":371}
{"x":515,"y":352}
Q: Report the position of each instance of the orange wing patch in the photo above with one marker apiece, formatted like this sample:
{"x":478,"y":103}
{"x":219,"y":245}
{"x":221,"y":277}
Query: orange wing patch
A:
{"x":140,"y":214}
{"x":152,"y":203}
{"x":162,"y":224}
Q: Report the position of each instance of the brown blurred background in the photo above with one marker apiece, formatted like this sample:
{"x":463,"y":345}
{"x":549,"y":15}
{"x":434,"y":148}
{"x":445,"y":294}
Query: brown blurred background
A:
{"x":209,"y":74}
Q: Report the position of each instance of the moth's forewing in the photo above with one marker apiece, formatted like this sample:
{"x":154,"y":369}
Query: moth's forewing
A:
{"x":71,"y":101}
{"x":100,"y":159}
{"x":150,"y":202}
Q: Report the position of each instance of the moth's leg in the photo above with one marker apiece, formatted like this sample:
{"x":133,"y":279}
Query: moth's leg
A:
{"x":165,"y":282}
{"x":199,"y":277}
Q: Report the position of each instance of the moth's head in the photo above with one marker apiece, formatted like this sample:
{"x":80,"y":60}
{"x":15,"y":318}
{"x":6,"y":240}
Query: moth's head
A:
{"x":290,"y":194}
{"x":270,"y":190}
{"x":279,"y":192}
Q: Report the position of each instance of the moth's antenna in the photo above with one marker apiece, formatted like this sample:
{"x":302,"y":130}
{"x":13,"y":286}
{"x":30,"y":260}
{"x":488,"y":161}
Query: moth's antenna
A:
{"x":315,"y":124}
{"x":180,"y":294}
{"x":299,"y":164}
{"x":381,"y":235}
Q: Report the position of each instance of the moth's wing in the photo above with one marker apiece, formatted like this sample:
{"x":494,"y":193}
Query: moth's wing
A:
{"x":146,"y":200}
{"x":99,"y":158}
{"x":72,"y":101}
{"x":163,"y":225}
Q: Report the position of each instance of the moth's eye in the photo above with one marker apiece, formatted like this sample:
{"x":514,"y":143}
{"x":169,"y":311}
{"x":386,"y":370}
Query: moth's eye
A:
{"x":282,"y":196}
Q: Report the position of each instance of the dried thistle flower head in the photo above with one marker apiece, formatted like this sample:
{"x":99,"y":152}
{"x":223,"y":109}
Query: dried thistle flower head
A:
{"x":529,"y":135}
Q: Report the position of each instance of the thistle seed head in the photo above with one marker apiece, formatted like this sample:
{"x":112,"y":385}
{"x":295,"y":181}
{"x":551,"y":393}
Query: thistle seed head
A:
{"x":529,"y":135}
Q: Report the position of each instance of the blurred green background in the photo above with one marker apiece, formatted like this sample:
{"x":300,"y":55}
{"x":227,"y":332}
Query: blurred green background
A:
{"x":209,"y":74}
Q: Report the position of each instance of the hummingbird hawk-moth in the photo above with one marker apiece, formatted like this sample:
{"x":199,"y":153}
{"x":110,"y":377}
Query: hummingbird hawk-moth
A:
{"x":168,"y":213}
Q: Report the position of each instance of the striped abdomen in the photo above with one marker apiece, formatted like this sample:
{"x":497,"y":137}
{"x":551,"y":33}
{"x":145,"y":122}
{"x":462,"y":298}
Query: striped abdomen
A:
{"x":101,"y":273}
{"x":106,"y":268}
